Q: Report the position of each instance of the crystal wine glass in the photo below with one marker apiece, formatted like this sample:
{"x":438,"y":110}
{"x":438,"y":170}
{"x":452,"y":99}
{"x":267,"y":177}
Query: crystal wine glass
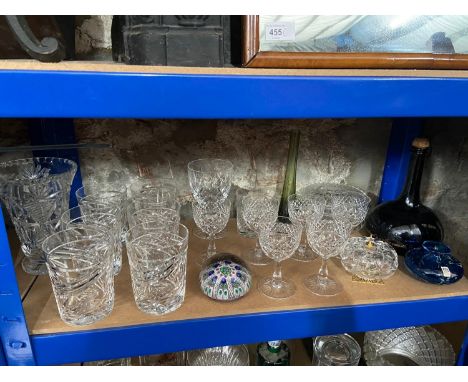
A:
{"x":210,"y":179}
{"x":211,"y":218}
{"x":260,"y":211}
{"x":279,"y":241}
{"x":327,"y":237}
{"x":299,"y":207}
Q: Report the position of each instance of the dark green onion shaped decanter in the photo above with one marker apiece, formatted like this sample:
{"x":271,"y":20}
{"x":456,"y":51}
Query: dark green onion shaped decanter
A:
{"x":405,"y":222}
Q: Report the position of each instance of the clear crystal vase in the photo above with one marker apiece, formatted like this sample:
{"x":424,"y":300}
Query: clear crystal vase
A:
{"x":36,"y":192}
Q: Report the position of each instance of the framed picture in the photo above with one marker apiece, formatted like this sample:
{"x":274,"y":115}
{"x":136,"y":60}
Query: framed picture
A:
{"x":359,"y":41}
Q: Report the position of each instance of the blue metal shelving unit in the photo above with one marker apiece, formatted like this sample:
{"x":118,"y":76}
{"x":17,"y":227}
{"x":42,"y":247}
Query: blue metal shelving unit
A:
{"x":76,"y":94}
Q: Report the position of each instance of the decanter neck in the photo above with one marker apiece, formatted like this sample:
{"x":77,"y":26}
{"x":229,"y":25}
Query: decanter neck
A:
{"x":411,"y":191}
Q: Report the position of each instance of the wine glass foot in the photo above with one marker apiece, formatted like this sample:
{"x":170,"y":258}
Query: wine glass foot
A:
{"x":323,"y":286}
{"x":306,"y":255}
{"x":257,"y":257}
{"x":204,"y":259}
{"x":33,"y":267}
{"x":202,"y":235}
{"x":275,"y":288}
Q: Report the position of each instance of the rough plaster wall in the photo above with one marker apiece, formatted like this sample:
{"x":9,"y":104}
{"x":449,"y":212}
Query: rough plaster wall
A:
{"x":93,"y":37}
{"x":14,"y":132}
{"x":445,"y":182}
{"x":351,"y":151}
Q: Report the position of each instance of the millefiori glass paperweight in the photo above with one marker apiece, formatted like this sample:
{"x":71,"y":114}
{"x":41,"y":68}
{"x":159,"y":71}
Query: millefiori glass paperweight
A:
{"x":225,"y":278}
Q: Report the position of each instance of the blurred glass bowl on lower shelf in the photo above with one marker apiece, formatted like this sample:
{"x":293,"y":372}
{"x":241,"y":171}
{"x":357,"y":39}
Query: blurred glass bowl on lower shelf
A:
{"x":369,"y":259}
{"x":219,"y":356}
{"x":421,"y":346}
{"x":110,"y":362}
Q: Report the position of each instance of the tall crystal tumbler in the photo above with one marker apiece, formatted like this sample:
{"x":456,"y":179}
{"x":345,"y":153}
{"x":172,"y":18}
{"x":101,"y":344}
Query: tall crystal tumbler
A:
{"x":35,"y":192}
{"x":158,"y":262}
{"x":154,"y":192}
{"x":110,"y":223}
{"x":79,"y":261}
{"x":108,"y":200}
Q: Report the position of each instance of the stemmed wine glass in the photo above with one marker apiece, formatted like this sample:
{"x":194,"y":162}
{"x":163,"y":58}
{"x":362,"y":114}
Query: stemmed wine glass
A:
{"x":327,"y":237}
{"x":210,"y":179}
{"x":211,"y":218}
{"x":260,"y":212}
{"x":279,"y":241}
{"x":300,"y":207}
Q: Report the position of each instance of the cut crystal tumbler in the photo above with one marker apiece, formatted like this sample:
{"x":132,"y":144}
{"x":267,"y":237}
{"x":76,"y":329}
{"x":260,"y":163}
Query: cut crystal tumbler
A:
{"x":80,"y":265}
{"x":35,"y":192}
{"x":158,"y":261}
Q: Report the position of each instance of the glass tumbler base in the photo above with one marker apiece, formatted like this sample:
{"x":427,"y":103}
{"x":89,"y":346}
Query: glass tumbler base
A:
{"x":204,"y":259}
{"x":275,"y":288}
{"x":158,"y":308}
{"x":33,"y":267}
{"x":323,"y":286}
{"x":304,"y":255}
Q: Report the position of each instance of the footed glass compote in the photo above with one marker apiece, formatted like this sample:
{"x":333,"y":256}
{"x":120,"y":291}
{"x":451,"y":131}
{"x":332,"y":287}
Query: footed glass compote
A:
{"x":260,"y":212}
{"x":36,"y":191}
{"x":279,"y":242}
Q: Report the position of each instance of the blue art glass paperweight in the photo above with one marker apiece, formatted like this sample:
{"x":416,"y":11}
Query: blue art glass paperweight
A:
{"x":226,"y":278}
{"x":433,"y":262}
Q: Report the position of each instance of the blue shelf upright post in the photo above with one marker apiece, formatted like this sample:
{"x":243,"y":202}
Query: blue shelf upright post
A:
{"x":404,"y":130}
{"x":14,"y":333}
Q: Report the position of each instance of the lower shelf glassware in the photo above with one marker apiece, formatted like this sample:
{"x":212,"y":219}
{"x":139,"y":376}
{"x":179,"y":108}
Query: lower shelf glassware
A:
{"x":337,"y":350}
{"x":167,"y":359}
{"x":110,"y":362}
{"x":422,"y":346}
{"x":219,"y":356}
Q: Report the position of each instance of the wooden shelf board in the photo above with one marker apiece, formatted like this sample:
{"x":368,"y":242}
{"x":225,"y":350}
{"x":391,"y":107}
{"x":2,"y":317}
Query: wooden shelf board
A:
{"x":42,"y":315}
{"x":112,"y":67}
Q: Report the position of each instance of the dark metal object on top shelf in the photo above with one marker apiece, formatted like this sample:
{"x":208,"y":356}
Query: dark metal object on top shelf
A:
{"x":209,"y":41}
{"x":45,"y":38}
